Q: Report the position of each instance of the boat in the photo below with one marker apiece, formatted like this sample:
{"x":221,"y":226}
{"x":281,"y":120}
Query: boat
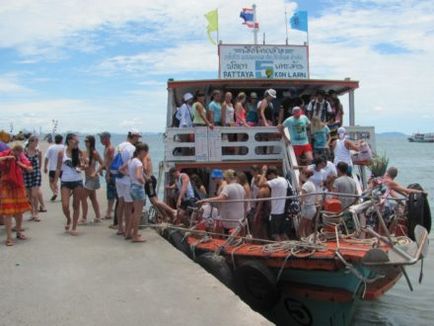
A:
{"x":421,"y":138}
{"x":352,"y":255}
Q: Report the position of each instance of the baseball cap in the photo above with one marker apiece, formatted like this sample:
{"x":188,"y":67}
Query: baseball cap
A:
{"x":134,"y":132}
{"x":253,"y":95}
{"x":188,"y":97}
{"x":104,"y":134}
{"x":217,"y":174}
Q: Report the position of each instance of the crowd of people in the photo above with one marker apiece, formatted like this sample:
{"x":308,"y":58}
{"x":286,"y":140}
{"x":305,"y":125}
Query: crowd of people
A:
{"x":127,"y":170}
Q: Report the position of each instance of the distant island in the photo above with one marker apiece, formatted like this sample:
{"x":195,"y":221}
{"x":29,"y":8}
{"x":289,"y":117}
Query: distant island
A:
{"x":391,"y":134}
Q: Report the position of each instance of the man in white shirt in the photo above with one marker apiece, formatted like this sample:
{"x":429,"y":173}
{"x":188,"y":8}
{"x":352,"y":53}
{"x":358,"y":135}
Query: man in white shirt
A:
{"x":184,"y":113}
{"x":319,"y":108}
{"x":278,"y":219}
{"x":123,"y":184}
{"x":50,"y":163}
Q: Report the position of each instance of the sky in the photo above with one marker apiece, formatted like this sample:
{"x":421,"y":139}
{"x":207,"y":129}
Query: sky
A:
{"x":103,"y":64}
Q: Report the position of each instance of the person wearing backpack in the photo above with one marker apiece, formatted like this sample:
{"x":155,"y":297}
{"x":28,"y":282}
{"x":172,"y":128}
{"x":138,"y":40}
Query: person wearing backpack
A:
{"x":125,"y":152}
{"x":278,"y":219}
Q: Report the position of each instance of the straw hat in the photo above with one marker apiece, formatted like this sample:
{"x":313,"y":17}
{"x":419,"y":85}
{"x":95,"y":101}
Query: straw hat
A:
{"x":5,"y":137}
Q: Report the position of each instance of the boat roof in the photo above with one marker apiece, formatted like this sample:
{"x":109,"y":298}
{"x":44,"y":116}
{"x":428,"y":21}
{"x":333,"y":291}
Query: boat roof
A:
{"x":303,"y":86}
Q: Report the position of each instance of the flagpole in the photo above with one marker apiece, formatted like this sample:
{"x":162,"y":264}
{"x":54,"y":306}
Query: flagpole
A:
{"x":286,"y":25}
{"x":255,"y":29}
{"x":218,"y":27}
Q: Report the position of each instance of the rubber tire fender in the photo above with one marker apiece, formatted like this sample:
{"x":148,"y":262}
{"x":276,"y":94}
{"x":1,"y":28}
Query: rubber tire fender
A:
{"x":256,"y":285}
{"x":176,"y":238}
{"x":418,"y":211}
{"x":217,"y":266}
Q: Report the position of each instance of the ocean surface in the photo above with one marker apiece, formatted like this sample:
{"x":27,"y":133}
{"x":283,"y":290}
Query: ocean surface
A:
{"x":399,"y":306}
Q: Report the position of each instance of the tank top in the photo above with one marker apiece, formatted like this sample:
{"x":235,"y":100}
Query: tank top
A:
{"x":189,"y":193}
{"x":69,"y":173}
{"x":342,"y":154}
{"x":197,"y":118}
{"x":230,"y":112}
{"x":252,"y":114}
{"x":268,"y":112}
{"x":241,"y":116}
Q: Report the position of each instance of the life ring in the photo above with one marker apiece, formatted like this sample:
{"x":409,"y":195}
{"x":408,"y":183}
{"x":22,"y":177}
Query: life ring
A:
{"x":256,"y":285}
{"x":418,"y":211}
{"x":176,"y":238}
{"x":217,"y":266}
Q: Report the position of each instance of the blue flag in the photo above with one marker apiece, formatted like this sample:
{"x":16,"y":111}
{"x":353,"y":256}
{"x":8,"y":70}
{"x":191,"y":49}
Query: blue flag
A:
{"x":298,"y":21}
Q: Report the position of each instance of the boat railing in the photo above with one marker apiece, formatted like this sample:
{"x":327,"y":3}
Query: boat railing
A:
{"x":202,"y":144}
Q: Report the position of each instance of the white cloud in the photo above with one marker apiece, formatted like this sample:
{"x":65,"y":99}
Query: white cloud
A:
{"x":9,"y":85}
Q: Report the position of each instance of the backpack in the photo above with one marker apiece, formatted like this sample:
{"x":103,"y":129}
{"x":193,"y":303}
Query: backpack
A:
{"x":116,"y":164}
{"x":292,"y":205}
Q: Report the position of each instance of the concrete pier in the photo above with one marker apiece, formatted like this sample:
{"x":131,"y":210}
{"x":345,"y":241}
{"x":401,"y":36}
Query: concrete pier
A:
{"x":98,"y":278}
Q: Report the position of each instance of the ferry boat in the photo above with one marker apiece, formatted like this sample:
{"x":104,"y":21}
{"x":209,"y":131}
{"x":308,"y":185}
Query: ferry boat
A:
{"x":421,"y":138}
{"x":316,"y":280}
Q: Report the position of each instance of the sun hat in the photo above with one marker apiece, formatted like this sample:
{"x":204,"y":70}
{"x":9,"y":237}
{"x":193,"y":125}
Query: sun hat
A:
{"x":188,"y":97}
{"x":217,"y":174}
{"x":271,"y":92}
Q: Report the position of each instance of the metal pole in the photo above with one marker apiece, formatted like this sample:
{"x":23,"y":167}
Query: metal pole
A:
{"x":286,"y":26}
{"x":351,"y":107}
{"x":255,"y":29}
{"x":218,"y":38}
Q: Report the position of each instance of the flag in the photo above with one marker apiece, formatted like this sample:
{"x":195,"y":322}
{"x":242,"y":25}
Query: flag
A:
{"x":247,"y":15}
{"x":298,"y":21}
{"x":213,"y":24}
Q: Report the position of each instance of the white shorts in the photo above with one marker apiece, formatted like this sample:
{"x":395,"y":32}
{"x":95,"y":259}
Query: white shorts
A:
{"x":124,"y":191}
{"x":308,"y":212}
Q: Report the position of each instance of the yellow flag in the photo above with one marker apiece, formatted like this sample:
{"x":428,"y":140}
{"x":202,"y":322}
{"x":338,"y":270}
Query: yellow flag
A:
{"x":213,"y":23}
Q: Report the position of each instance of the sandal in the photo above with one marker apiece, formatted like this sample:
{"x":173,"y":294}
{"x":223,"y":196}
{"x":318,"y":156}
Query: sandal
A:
{"x":14,"y":229}
{"x":37,"y":219}
{"x":97,"y":220}
{"x":138,"y":239}
{"x":21,"y":236}
{"x":120,"y":233}
{"x":73,"y":232}
{"x":83,"y":221}
{"x":53,"y":198}
{"x":9,"y":243}
{"x":67,"y":226}
{"x":107,"y":217}
{"x":42,"y":210}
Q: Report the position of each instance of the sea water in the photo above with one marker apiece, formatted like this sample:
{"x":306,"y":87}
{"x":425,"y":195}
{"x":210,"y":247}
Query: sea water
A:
{"x":398,"y":306}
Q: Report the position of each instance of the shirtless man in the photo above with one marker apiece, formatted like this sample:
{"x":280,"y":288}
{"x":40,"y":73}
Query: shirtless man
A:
{"x":109,"y":152}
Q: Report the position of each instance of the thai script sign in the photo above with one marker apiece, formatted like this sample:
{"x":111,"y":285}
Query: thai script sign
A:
{"x":263,"y":61}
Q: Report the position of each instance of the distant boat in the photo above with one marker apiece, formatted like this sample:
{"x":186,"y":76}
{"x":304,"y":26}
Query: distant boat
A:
{"x":421,"y":138}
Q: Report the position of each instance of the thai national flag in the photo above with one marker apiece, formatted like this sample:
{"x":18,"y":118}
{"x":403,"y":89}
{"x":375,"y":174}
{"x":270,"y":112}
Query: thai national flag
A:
{"x":247,"y":15}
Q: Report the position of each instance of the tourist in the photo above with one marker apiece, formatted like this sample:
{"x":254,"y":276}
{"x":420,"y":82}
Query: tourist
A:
{"x":278,"y":218}
{"x":228,"y":111}
{"x":242,"y":180}
{"x":215,"y":108}
{"x":321,"y":138}
{"x":342,"y":149}
{"x":184,"y":114}
{"x":198,"y":186}
{"x":13,"y":201}
{"x":199,"y":112}
{"x":119,"y":168}
{"x":111,"y":195}
{"x":254,"y":171}
{"x":297,"y":126}
{"x":252,"y":110}
{"x":33,"y":178}
{"x":183,"y":185}
{"x":319,"y":175}
{"x":231,"y":213}
{"x":345,"y":185}
{"x":265,"y":108}
{"x":69,"y":165}
{"x":319,"y":107}
{"x":91,"y":183}
{"x":285,"y":109}
{"x":308,"y":203}
{"x":240,"y":111}
{"x":393,"y":187}
{"x":137,"y":182}
{"x":217,"y":176}
{"x":337,"y":108}
{"x":262,"y":208}
{"x":50,"y":163}
{"x":151,"y":187}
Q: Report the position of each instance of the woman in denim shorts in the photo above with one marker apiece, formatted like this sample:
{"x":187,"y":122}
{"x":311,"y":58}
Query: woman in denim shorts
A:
{"x":137,"y":191}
